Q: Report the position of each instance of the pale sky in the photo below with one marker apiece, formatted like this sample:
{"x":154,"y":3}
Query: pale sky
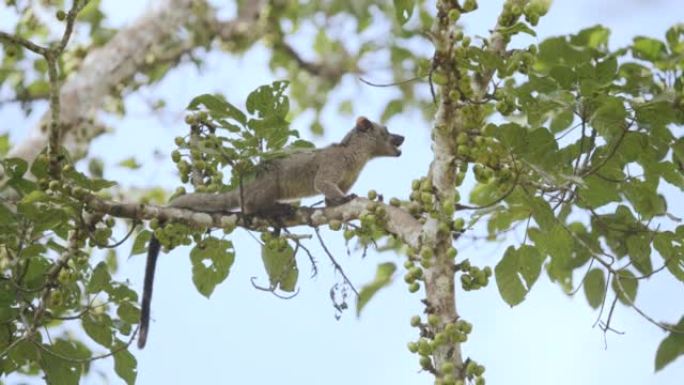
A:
{"x":244,"y":336}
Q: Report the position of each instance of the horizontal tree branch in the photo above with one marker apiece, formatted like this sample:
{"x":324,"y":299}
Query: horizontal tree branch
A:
{"x":399,"y":222}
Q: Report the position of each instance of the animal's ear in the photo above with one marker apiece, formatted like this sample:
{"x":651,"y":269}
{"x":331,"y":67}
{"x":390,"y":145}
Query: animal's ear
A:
{"x":363,"y":124}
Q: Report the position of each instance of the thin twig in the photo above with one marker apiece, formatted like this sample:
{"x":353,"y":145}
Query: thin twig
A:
{"x":334,"y":262}
{"x":393,"y":84}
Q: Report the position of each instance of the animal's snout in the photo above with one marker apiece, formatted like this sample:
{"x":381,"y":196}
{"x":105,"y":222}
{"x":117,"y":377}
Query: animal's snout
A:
{"x":397,"y":140}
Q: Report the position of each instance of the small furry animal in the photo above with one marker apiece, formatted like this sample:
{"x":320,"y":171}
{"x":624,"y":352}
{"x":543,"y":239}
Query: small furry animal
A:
{"x":330,"y":171}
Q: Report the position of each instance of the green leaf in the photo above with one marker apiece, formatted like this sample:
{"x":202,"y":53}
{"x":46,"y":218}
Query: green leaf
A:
{"x":541,"y":212}
{"x":394,"y":107}
{"x":4,"y":145}
{"x":655,"y":113}
{"x":609,"y":117}
{"x":639,"y":251}
{"x":125,"y":365}
{"x":99,"y":279}
{"x":130,"y":163}
{"x":648,"y":49}
{"x":595,"y":287}
{"x":211,"y":261}
{"x":517,"y":271}
{"x":517,"y":28}
{"x":140,"y":242}
{"x":606,"y":70}
{"x":564,"y":75}
{"x":128,"y":312}
{"x":671,"y":347}
{"x":625,"y":286}
{"x":644,"y":198}
{"x":269,"y":100}
{"x":118,"y":292}
{"x":39,"y":167}
{"x":57,"y":361}
{"x":672,"y":256}
{"x":38,"y":88}
{"x":218,"y":107}
{"x":281,"y":266}
{"x":597,"y":192}
{"x":403,"y":9}
{"x":99,"y":328}
{"x":383,"y":277}
{"x":15,"y":167}
{"x":593,"y":37}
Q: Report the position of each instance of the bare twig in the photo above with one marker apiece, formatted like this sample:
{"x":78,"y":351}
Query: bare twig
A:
{"x":334,"y":262}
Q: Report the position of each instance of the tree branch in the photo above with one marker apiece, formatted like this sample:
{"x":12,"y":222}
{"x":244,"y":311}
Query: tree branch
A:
{"x":399,"y":222}
{"x":119,"y":60}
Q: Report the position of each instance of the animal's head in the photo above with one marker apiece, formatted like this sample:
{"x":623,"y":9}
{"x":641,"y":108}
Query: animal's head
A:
{"x":374,"y":137}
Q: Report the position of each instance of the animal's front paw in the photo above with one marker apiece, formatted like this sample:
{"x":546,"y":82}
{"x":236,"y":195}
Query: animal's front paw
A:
{"x":330,"y":202}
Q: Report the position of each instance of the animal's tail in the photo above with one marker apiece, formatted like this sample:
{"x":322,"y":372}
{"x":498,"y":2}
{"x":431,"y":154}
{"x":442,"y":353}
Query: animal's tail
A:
{"x":152,"y":255}
{"x":208,"y":202}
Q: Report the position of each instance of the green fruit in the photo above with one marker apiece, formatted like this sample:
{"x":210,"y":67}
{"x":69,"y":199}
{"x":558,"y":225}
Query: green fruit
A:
{"x":348,"y":234}
{"x":415,"y":321}
{"x":414,"y":287}
{"x":433,"y":320}
{"x":61,"y":15}
{"x":372,"y":194}
{"x":454,"y":95}
{"x":469,"y":5}
{"x":440,"y":339}
{"x":425,"y":362}
{"x":487,"y":271}
{"x":459,"y":224}
{"x":426,"y":186}
{"x":179,"y":141}
{"x":439,"y":78}
{"x":462,"y":138}
{"x":463,"y":150}
{"x":335,"y":225}
{"x":448,"y":208}
{"x":412,"y":347}
{"x":464,"y":326}
{"x":395,"y":202}
{"x":426,"y":252}
{"x":454,"y":15}
{"x":175,"y":156}
{"x":367,"y":220}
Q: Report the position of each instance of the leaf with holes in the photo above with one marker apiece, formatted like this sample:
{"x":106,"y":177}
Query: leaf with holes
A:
{"x":517,"y":271}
